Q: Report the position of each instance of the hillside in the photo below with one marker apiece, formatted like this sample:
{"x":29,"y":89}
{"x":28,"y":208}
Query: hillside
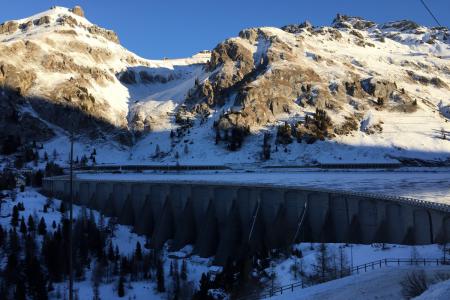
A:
{"x":355,"y":91}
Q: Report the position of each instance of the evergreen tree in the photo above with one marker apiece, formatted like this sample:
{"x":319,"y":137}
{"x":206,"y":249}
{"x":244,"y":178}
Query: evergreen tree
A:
{"x":121,"y":287}
{"x":62,"y":207}
{"x":202,"y":293}
{"x":20,"y":291}
{"x":15,"y":216}
{"x":95,"y":291}
{"x":23,"y":227}
{"x":322,"y":266}
{"x":111,"y":256}
{"x":30,"y":223}
{"x":2,"y":236}
{"x":42,"y":227}
{"x":183,"y":272}
{"x":138,"y":252}
{"x":14,"y":243}
{"x":160,"y":276}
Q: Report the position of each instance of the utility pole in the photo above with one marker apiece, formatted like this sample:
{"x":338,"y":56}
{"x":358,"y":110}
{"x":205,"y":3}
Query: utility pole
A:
{"x":71,"y":218}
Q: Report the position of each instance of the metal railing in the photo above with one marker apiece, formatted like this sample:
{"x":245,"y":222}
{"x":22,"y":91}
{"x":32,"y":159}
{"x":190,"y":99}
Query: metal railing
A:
{"x":378,"y":264}
{"x":377,"y":196}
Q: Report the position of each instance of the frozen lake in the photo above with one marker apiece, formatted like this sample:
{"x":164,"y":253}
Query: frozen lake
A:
{"x":430,"y":185}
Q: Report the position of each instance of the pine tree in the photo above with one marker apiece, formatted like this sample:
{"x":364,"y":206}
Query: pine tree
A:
{"x":95,"y":291}
{"x":15,"y":216}
{"x":202,"y":293}
{"x":23,"y":227}
{"x":183,"y":272}
{"x":111,"y":256}
{"x":138,"y":252}
{"x":62,"y":207}
{"x":14,"y":243}
{"x":160,"y":276}
{"x":322,"y":266}
{"x":30,"y":223}
{"x":20,"y":291}
{"x":2,"y":236}
{"x":157,"y":151}
{"x":42,"y":227}
{"x":121,"y":287}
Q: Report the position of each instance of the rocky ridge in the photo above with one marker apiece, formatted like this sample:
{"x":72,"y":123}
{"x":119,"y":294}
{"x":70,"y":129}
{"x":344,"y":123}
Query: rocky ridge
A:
{"x":348,"y":82}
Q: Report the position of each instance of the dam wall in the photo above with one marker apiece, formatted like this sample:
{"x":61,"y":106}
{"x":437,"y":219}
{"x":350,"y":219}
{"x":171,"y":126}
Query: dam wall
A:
{"x":226,"y":220}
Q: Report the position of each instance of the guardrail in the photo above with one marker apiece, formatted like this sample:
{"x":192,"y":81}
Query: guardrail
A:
{"x":377,"y":196}
{"x":378,"y":264}
{"x":151,"y":167}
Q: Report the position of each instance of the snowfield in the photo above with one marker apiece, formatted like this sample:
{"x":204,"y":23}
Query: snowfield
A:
{"x":377,"y":284}
{"x":356,"y":286}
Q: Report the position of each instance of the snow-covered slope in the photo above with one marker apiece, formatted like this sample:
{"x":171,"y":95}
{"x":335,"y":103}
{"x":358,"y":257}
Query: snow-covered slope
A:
{"x":71,"y":62}
{"x":355,"y":91}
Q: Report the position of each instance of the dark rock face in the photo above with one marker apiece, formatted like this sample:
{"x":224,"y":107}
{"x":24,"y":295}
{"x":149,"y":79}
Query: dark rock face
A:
{"x":378,"y":87}
{"x":403,"y":25}
{"x":297,"y":28}
{"x":128,"y":77}
{"x":78,"y":11}
{"x":42,"y":20}
{"x":13,"y":122}
{"x":343,"y":21}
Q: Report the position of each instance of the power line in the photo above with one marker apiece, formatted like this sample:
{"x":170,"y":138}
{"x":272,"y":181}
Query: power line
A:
{"x":431,"y":13}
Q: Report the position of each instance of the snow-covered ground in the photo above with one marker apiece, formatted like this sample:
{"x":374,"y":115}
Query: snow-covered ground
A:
{"x":377,"y":284}
{"x":123,"y":238}
{"x":126,"y":240}
{"x":432,"y":185}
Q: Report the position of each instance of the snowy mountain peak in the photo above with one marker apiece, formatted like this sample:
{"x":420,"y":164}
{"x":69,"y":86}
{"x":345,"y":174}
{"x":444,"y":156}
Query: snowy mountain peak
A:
{"x":354,"y":84}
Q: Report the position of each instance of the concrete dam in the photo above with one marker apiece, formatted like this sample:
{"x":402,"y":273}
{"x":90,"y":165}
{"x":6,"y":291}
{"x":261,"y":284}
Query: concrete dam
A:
{"x":224,"y":219}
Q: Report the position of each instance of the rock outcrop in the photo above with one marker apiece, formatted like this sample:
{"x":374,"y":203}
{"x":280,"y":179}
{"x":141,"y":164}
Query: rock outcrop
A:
{"x":78,"y":11}
{"x":9,"y":27}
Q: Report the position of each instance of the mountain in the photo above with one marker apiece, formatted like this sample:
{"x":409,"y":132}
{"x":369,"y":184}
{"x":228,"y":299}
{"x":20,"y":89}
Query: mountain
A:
{"x":355,"y":91}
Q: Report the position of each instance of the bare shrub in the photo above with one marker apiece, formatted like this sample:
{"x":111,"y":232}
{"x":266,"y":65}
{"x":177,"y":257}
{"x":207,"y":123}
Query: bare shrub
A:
{"x":414,"y":284}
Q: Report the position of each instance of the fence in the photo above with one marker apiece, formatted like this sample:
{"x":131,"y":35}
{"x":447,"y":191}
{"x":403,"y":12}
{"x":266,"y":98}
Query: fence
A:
{"x":274,"y":291}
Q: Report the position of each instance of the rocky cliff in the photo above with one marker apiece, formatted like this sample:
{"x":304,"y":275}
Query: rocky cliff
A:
{"x":380,"y":89}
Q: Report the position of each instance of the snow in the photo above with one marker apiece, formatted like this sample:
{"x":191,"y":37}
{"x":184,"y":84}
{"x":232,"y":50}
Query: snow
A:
{"x":438,"y":291}
{"x":377,"y":284}
{"x":404,"y":135}
{"x":124,"y":238}
{"x":423,"y":185}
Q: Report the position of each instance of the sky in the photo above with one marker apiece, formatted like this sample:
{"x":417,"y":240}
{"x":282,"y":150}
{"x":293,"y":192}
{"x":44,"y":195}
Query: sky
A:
{"x":181,"y":28}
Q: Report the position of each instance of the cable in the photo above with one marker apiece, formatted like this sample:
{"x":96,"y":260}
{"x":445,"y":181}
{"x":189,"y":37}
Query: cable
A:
{"x":426,"y":7}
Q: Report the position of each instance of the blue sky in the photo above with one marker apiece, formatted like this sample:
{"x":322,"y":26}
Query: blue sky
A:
{"x":168,"y":28}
